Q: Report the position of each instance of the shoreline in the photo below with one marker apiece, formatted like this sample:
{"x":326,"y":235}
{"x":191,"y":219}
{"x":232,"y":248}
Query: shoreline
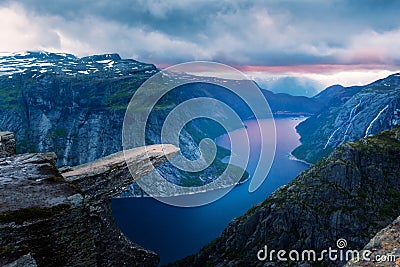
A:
{"x":291,"y":157}
{"x":144,"y":194}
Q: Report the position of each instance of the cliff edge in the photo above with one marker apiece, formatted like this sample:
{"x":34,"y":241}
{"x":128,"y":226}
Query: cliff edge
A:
{"x":53,"y":219}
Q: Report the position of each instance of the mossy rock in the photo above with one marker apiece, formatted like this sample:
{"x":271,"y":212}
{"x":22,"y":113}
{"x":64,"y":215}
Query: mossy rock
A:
{"x":30,"y":214}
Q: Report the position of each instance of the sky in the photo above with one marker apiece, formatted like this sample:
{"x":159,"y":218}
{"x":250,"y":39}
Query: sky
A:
{"x":314,"y":43}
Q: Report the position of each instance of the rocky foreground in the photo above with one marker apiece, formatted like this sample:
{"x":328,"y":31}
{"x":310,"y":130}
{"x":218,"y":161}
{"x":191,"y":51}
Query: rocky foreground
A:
{"x":53,"y":219}
{"x":352,"y":194}
{"x":386,"y":243}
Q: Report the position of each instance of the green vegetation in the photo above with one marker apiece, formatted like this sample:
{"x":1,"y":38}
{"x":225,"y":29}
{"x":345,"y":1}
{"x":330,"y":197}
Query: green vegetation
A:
{"x":117,"y":96}
{"x":58,"y":133}
{"x":9,"y":95}
{"x":26,"y":146}
{"x":34,"y":213}
{"x":6,"y":250}
{"x":308,"y":150}
{"x":14,"y":250}
{"x":384,"y":142}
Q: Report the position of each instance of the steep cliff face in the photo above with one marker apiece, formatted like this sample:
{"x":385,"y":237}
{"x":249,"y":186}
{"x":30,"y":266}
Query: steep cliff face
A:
{"x":76,"y":106}
{"x":72,"y":106}
{"x":104,"y":179}
{"x":351,"y":113}
{"x":67,"y":220}
{"x":351,"y":194}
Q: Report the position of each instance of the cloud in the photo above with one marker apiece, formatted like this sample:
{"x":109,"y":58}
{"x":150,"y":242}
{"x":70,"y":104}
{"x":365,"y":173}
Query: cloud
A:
{"x":373,"y":47}
{"x":20,"y":32}
{"x":289,"y":84}
{"x":309,"y":83}
{"x":272,"y":33}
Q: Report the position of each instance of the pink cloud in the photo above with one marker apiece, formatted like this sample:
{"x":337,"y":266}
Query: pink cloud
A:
{"x":316,"y":68}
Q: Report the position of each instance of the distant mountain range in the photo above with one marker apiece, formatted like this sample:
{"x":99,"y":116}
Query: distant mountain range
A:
{"x":76,"y":106}
{"x":351,"y":113}
{"x":297,"y":86}
{"x":73,"y":106}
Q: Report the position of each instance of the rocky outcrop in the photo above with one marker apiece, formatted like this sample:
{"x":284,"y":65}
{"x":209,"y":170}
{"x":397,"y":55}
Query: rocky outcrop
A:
{"x":42,"y":214}
{"x":352,"y":113}
{"x":351,"y":194}
{"x":104,"y":179}
{"x":68,"y":221}
{"x":384,"y":248}
{"x":7,"y":144}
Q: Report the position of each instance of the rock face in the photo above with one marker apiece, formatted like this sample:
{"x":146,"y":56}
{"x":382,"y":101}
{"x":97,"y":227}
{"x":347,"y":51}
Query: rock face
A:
{"x":385,"y":248}
{"x":68,"y":221}
{"x":7,"y":144}
{"x":351,"y":194}
{"x":76,"y":106}
{"x":72,"y":106}
{"x":104,"y":179}
{"x":352,"y":113}
{"x":42,"y":214}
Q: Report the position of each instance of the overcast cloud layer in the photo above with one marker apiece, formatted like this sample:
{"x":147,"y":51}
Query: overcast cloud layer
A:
{"x":336,"y":41}
{"x":243,"y":33}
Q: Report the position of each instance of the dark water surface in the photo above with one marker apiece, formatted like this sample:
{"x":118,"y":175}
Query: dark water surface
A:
{"x":174,"y":232}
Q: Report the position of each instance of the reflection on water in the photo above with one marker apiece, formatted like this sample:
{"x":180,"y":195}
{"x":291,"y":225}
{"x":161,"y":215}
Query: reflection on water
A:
{"x":174,"y":232}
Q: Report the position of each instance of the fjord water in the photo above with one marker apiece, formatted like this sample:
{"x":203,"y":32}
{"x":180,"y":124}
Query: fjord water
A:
{"x":174,"y":232}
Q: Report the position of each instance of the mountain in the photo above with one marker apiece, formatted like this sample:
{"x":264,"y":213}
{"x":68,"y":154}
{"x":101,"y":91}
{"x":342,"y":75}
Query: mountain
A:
{"x":351,"y":194}
{"x":73,"y":106}
{"x":351,"y":113}
{"x":288,"y":105}
{"x":76,"y":107}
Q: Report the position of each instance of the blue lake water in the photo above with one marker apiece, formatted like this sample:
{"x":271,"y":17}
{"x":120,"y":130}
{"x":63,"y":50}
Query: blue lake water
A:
{"x":174,"y":232}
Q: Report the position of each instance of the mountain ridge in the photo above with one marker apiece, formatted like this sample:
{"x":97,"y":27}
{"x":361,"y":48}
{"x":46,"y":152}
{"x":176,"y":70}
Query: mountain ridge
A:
{"x":351,"y":194}
{"x":49,"y":100}
{"x":356,"y":112}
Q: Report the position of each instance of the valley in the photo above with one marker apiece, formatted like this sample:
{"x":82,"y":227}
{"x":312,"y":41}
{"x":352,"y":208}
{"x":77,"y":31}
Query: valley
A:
{"x":75,"y":107}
